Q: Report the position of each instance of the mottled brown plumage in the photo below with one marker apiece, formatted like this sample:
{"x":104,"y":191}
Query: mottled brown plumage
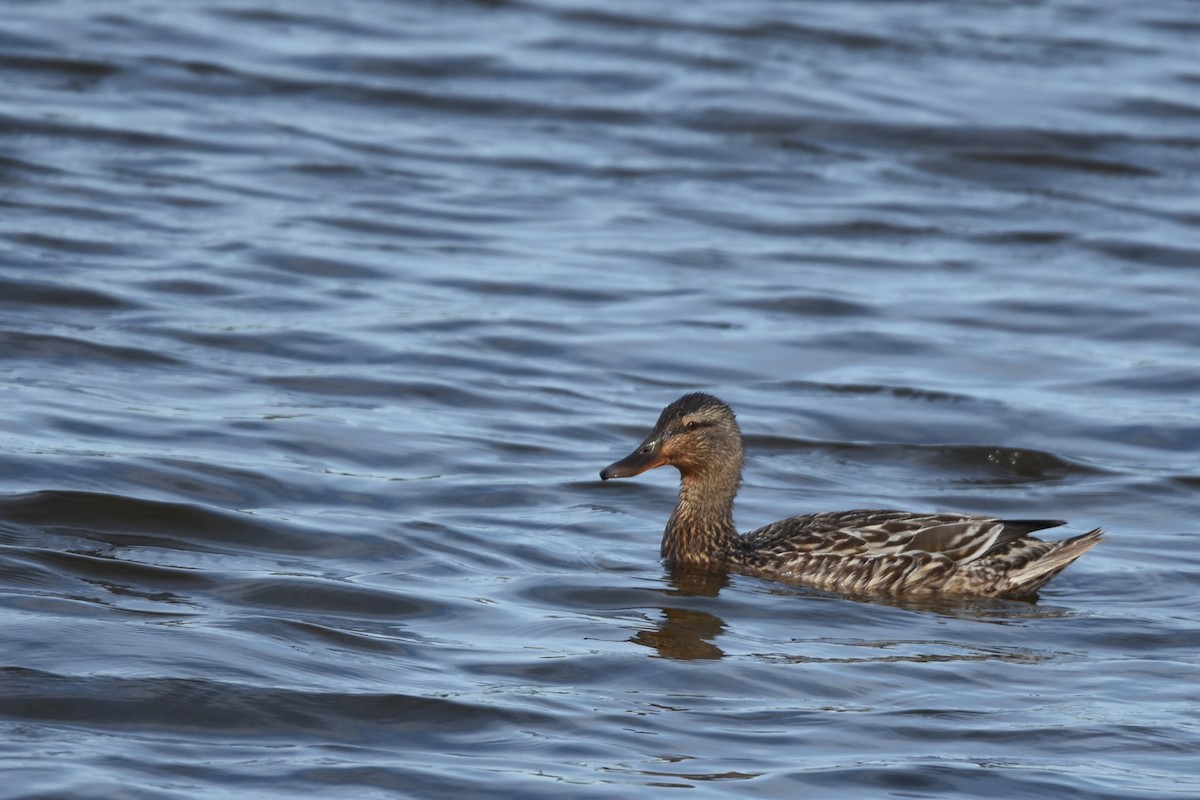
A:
{"x":858,"y":552}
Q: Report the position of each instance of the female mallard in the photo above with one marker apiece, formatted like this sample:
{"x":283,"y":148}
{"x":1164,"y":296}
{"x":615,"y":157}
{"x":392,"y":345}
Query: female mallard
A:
{"x":858,"y":552}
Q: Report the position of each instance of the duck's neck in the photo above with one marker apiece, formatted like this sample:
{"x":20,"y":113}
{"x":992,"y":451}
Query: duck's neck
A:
{"x":700,"y":532}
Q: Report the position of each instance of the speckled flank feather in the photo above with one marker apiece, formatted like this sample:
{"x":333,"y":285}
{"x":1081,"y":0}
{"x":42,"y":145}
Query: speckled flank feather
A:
{"x":894,"y":552}
{"x":858,"y":552}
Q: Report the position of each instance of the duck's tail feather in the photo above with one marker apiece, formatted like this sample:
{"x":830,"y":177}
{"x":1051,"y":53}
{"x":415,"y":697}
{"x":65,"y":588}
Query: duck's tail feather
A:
{"x":1029,"y":578}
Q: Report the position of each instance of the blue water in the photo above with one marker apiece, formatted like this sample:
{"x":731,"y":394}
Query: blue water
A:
{"x":318,"y":321}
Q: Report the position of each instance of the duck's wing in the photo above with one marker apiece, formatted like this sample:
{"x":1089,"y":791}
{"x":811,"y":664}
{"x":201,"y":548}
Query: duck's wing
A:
{"x":968,"y":538}
{"x":864,"y":533}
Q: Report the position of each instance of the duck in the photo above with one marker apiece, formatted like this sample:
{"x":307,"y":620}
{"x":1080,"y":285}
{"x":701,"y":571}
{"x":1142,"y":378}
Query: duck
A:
{"x":858,"y":552}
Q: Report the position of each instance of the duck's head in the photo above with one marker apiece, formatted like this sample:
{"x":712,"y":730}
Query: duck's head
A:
{"x":696,"y":434}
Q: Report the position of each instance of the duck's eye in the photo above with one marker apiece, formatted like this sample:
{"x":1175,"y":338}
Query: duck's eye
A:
{"x":691,"y":425}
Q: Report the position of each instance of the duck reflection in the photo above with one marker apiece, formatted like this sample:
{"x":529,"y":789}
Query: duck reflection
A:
{"x":687,"y":633}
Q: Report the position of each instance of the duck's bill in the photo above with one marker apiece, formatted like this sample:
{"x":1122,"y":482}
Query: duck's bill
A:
{"x":635,"y":463}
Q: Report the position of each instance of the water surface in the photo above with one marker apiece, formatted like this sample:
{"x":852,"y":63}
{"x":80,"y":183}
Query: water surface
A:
{"x":317,"y":323}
